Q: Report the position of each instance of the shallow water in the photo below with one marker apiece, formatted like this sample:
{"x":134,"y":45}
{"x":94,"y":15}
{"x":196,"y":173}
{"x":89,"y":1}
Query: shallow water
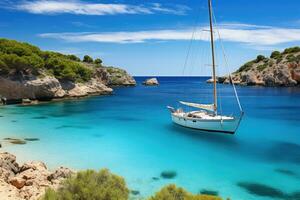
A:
{"x":131,"y":134}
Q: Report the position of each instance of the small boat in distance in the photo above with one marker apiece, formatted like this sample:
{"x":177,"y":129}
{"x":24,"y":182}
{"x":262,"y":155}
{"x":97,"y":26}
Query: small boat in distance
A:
{"x":206,"y":117}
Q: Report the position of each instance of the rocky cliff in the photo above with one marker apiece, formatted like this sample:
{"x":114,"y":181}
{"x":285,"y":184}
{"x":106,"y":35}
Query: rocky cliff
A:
{"x":280,"y":69}
{"x":28,"y":181}
{"x":29,"y":74}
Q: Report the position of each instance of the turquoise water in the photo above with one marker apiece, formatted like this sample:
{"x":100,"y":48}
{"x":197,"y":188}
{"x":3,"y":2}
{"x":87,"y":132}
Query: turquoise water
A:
{"x":131,"y":134}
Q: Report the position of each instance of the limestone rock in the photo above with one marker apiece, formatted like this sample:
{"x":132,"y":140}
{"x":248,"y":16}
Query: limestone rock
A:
{"x":24,"y":89}
{"x":8,"y":162}
{"x":249,"y":78}
{"x":61,"y":172}
{"x":296,"y":75}
{"x":18,"y":182}
{"x":151,"y":82}
{"x":280,"y":71}
{"x":34,"y":88}
{"x":119,"y":77}
{"x":28,"y":181}
{"x":35,"y":165}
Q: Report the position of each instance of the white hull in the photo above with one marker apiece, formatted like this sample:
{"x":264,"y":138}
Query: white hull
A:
{"x":211,"y":125}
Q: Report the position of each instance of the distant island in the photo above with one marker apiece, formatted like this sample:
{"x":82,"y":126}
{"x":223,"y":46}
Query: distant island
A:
{"x":280,"y":69}
{"x":28,"y":74}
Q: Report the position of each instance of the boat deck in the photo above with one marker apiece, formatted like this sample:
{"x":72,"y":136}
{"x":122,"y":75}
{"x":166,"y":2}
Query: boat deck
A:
{"x":201,"y":115}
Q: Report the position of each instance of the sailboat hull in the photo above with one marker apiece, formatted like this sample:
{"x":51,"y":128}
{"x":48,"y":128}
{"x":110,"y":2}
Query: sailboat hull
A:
{"x":222,"y":126}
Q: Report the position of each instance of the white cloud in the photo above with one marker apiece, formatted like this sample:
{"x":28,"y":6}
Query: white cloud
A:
{"x":85,"y":8}
{"x":241,"y":33}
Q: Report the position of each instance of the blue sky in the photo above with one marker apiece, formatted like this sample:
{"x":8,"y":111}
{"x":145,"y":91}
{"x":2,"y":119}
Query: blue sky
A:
{"x":153,"y":37}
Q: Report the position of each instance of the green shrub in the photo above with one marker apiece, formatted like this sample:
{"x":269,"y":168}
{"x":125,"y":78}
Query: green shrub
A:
{"x":4,"y":70}
{"x":68,"y":70}
{"x":18,"y":48}
{"x":246,"y":67}
{"x":98,"y":61}
{"x":171,"y":192}
{"x":17,"y":56}
{"x":24,"y":63}
{"x":260,"y":58}
{"x":91,"y":185}
{"x":275,"y":54}
{"x":87,"y":59}
{"x":292,"y":58}
{"x":291,"y":50}
{"x":262,"y":67}
{"x":74,"y":58}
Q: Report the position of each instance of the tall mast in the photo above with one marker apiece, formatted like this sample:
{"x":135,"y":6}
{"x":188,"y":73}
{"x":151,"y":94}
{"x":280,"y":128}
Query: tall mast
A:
{"x":213,"y":54}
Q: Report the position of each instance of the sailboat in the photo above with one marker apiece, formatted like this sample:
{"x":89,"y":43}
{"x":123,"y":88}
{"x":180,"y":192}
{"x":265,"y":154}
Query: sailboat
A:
{"x":206,"y":116}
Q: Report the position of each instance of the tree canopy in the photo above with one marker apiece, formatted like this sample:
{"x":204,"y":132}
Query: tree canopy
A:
{"x":87,"y":59}
{"x":22,"y":57}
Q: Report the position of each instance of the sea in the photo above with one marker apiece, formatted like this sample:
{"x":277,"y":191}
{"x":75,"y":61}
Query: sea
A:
{"x":131,"y":134}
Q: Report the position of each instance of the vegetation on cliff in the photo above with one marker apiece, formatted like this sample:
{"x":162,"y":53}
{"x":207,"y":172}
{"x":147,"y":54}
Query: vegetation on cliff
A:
{"x":90,"y":184}
{"x":280,"y":69}
{"x":289,"y":55}
{"x":171,"y":192}
{"x":17,"y":57}
{"x":104,"y":185}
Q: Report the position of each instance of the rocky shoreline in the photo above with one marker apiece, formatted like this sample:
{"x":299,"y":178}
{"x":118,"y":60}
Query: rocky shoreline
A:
{"x":28,"y":181}
{"x":281,"y":69}
{"x":29,"y":74}
{"x":32,"y":89}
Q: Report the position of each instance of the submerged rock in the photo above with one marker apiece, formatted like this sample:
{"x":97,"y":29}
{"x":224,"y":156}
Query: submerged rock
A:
{"x":209,"y":192}
{"x":262,"y":190}
{"x":286,"y":172}
{"x":31,"y":139}
{"x":40,"y":117}
{"x":151,"y":82}
{"x":15,"y":141}
{"x":135,"y":192}
{"x":168,"y":174}
{"x":155,"y":178}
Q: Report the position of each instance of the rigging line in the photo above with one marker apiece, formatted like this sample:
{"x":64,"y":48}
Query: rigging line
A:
{"x":190,"y":43}
{"x":226,"y":63}
{"x":197,"y":53}
{"x":219,"y":94}
{"x":184,"y":71}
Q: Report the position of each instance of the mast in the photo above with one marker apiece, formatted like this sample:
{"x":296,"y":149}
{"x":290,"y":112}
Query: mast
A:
{"x":213,"y":55}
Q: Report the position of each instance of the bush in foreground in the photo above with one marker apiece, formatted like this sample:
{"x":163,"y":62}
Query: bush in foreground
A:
{"x":91,"y":185}
{"x":171,"y":192}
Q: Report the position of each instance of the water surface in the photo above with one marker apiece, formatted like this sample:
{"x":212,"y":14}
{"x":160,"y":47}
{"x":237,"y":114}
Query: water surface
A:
{"x":131,"y":133}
